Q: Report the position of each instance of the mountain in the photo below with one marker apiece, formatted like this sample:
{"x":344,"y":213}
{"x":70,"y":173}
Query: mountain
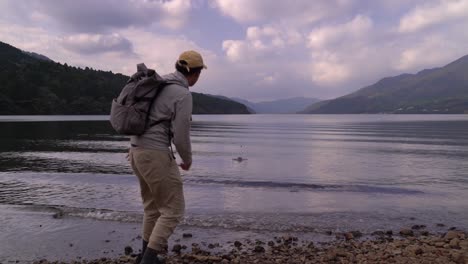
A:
{"x":237,"y":100}
{"x":209,"y":104}
{"x":436,"y":91}
{"x":38,"y":56}
{"x":32,"y":84}
{"x":282,"y":106}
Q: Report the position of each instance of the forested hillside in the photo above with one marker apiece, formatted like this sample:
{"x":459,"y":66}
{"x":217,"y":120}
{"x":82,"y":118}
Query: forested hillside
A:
{"x":31,"y":84}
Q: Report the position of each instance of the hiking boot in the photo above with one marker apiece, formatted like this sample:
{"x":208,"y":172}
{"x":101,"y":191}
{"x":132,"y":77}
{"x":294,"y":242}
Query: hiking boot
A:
{"x":151,"y":256}
{"x":143,"y":249}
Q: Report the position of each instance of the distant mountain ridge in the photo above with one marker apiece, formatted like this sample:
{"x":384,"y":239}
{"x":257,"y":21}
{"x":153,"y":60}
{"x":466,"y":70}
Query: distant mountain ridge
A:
{"x":436,"y":91}
{"x":33,"y":84}
{"x":281,"y":106}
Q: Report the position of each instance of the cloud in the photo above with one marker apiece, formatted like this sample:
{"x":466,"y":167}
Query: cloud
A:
{"x":236,"y":50}
{"x":326,"y":36}
{"x":335,"y":48}
{"x":161,"y":51}
{"x":30,"y":39}
{"x":327,"y":69}
{"x":267,"y":79}
{"x":89,"y":16}
{"x":97,"y":43}
{"x":298,"y":12}
{"x":431,"y":14}
{"x":433,"y":51}
{"x":116,"y":52}
{"x":335,"y":57}
{"x":265,"y":43}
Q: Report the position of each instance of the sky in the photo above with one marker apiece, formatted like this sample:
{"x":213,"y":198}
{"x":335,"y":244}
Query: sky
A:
{"x":254,"y":49}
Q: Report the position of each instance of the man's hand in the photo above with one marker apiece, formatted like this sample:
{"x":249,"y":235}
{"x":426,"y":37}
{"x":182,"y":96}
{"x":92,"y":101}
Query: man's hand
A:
{"x":184,"y":166}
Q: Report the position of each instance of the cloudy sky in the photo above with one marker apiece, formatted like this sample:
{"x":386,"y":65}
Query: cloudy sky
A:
{"x":254,"y":49}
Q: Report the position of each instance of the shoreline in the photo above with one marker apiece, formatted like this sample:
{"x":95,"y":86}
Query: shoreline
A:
{"x":69,"y":239}
{"x":410,"y":245}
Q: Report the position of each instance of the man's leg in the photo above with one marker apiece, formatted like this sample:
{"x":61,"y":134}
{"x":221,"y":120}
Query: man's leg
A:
{"x":151,"y":213}
{"x":161,"y":175}
{"x":171,"y":205}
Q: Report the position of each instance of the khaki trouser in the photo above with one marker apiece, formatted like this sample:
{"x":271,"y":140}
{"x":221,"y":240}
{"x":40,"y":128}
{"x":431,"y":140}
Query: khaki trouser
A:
{"x":162,"y":194}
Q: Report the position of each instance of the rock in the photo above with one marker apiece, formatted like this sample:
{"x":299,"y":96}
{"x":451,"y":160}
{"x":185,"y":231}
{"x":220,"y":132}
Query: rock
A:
{"x":259,"y":249}
{"x":451,"y":235}
{"x":406,"y":232}
{"x":177,"y":248}
{"x":356,"y":234}
{"x":271,"y":243}
{"x":464,"y":244}
{"x":349,"y":236}
{"x":452,"y":228}
{"x":424,"y":233}
{"x":58,"y":215}
{"x":205,"y":259}
{"x":341,"y":253}
{"x":237,"y":244}
{"x":440,"y":225}
{"x":439,"y":244}
{"x":328,"y":232}
{"x":107,"y":241}
{"x":340,"y":236}
{"x":71,"y":245}
{"x":457,"y":257}
{"x":389,"y":233}
{"x":128,"y":250}
{"x":211,"y":246}
{"x":187,"y":235}
{"x":417,"y":227}
{"x":455,"y":243}
{"x":418,"y":251}
{"x":331,"y":256}
{"x":378,"y":233}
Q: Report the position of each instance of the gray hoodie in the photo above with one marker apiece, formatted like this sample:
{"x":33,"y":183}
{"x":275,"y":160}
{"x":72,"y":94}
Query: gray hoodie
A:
{"x":175,"y":104}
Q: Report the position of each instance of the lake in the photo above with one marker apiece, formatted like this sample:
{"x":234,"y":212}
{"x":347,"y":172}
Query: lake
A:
{"x":65,"y":182}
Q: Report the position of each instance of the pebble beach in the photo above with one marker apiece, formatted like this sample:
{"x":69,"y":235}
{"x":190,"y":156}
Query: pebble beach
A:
{"x":410,"y":245}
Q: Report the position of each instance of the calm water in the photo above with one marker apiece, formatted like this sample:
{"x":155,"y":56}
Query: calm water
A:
{"x":299,"y":173}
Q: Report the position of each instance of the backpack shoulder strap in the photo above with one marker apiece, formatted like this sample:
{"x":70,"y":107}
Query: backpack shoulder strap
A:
{"x":160,"y":87}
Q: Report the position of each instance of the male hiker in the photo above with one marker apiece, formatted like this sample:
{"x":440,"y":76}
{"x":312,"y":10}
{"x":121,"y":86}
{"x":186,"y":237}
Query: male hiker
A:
{"x":154,"y":164}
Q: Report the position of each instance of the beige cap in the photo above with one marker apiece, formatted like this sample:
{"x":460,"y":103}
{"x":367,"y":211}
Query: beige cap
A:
{"x":191,"y":59}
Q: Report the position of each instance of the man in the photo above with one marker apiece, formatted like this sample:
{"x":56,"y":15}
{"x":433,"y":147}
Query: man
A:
{"x":154,"y":164}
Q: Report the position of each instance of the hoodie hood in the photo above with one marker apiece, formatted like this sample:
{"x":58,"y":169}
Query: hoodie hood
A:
{"x":176,"y":78}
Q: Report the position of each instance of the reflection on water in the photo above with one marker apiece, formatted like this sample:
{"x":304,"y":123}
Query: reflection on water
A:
{"x":297,"y":172}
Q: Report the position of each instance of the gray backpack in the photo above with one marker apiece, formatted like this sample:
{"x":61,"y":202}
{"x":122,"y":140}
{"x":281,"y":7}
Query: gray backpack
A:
{"x":131,"y":110}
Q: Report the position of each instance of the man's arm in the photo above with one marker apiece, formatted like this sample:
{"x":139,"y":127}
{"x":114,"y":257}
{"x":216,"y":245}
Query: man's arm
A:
{"x":181,"y":129}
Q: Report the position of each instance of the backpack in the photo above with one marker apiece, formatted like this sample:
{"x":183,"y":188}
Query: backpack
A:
{"x":130,"y":111}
